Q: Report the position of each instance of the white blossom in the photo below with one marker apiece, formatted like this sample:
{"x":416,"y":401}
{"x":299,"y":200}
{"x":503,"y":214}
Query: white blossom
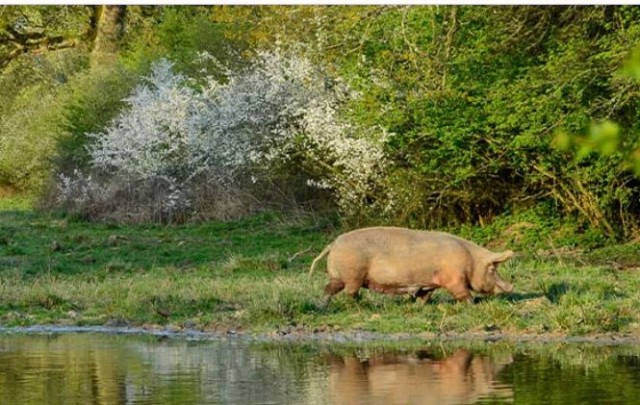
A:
{"x":278,"y":107}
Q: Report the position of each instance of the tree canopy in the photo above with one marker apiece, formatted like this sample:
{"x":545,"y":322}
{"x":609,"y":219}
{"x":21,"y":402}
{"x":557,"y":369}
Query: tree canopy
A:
{"x":476,"y":109}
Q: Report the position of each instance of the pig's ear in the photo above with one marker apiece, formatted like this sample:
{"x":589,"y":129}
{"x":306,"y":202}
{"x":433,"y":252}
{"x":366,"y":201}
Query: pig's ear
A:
{"x":501,"y":257}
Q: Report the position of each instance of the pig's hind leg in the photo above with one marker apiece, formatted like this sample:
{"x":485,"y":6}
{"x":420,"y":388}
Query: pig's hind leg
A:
{"x":352,"y":287}
{"x":332,"y":288}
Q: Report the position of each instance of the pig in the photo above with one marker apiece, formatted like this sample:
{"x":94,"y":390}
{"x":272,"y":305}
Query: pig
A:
{"x":396,"y":260}
{"x":388,"y":378}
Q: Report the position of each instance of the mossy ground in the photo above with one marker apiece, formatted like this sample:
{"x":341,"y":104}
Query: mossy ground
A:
{"x":251,"y":275}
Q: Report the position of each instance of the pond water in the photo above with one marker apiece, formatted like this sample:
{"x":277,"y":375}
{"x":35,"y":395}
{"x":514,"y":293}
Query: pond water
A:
{"x":84,"y":368}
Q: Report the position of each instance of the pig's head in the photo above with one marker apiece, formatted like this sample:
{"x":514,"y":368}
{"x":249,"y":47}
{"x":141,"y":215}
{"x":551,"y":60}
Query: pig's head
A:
{"x":486,"y":279}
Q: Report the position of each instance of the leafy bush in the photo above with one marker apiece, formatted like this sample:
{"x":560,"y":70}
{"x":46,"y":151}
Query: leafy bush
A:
{"x":94,"y":97}
{"x":43,"y":126}
{"x":475,"y":95}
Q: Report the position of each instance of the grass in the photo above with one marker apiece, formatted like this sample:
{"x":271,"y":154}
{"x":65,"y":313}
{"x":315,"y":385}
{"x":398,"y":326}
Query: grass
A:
{"x":251,"y":275}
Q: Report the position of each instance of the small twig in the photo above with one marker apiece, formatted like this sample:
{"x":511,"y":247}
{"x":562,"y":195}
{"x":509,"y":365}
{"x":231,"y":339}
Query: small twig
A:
{"x":291,"y":258}
{"x":555,"y":252}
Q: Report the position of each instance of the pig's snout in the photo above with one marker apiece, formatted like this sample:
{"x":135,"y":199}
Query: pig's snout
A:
{"x":503,"y":287}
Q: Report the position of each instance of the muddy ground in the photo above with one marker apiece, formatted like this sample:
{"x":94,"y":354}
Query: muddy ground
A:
{"x":303,"y":335}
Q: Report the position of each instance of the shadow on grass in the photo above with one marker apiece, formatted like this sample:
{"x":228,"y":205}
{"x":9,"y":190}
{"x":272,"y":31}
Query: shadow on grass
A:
{"x":553,"y":293}
{"x":510,"y":297}
{"x":556,"y":290}
{"x":517,"y":297}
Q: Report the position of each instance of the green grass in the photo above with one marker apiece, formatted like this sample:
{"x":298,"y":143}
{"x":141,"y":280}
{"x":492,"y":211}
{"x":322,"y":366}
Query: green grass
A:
{"x":251,"y":275}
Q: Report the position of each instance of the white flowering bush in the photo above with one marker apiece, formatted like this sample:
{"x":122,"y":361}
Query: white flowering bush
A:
{"x":151,"y":139}
{"x":282,"y":109}
{"x":278,"y":114}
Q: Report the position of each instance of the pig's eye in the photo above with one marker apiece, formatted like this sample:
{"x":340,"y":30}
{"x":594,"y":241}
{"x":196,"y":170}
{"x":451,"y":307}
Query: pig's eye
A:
{"x":492,"y":269}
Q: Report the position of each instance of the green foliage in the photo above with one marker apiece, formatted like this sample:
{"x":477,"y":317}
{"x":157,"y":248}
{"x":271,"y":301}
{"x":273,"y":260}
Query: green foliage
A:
{"x":480,"y":99}
{"x":606,"y":138}
{"x":18,"y":202}
{"x":537,"y":229}
{"x":47,"y":71}
{"x":33,"y":83}
{"x":188,"y":36}
{"x":473,"y":95}
{"x":94,"y":98}
{"x":27,"y":136}
{"x":47,"y":124}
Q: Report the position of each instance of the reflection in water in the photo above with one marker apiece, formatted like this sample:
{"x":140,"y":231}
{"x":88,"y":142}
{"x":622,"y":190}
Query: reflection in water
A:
{"x":108,"y":369}
{"x":461,"y":378}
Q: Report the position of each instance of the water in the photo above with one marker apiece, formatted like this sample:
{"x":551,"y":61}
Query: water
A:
{"x":116,"y":369}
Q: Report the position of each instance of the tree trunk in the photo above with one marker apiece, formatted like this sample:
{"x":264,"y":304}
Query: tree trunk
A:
{"x":107,"y":25}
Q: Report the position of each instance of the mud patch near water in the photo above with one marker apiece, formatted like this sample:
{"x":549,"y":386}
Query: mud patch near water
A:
{"x":299,"y":335}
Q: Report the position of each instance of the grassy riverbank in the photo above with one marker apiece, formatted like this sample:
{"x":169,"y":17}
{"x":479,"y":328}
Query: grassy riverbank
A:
{"x":251,"y":275}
